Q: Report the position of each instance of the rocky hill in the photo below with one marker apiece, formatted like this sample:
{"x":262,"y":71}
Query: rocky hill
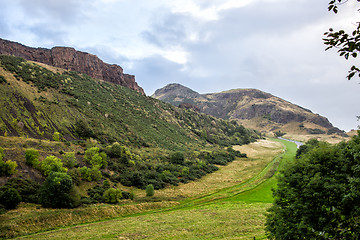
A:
{"x":251,"y":107}
{"x":71,"y":59}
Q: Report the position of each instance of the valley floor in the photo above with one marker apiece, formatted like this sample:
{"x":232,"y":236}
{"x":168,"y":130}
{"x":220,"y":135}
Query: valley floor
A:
{"x":228,"y":204}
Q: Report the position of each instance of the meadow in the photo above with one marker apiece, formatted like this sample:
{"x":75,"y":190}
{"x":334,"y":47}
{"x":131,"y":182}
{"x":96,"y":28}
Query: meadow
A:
{"x":228,"y":204}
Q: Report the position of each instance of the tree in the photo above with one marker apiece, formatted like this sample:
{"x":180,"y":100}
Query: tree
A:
{"x":348,"y":44}
{"x":56,"y":191}
{"x":317,"y":196}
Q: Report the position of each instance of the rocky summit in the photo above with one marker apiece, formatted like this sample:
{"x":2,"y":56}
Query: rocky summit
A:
{"x":251,"y":107}
{"x":71,"y":59}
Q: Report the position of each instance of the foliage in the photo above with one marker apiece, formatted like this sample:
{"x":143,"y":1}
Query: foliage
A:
{"x":9,"y":197}
{"x":177,"y":158}
{"x":69,"y":160}
{"x":7,"y":168}
{"x":56,"y":191}
{"x":52,"y":164}
{"x":112,"y":195}
{"x":2,"y":79}
{"x":348,"y":44}
{"x":32,"y":157}
{"x":27,"y":188}
{"x":150,"y":190}
{"x":279,"y":134}
{"x":317,"y":196}
{"x":95,"y":158}
{"x":56,"y":136}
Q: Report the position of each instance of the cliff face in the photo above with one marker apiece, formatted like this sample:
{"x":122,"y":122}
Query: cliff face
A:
{"x":71,"y":59}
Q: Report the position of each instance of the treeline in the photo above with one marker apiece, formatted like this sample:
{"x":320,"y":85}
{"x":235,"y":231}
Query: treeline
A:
{"x":106,"y":166}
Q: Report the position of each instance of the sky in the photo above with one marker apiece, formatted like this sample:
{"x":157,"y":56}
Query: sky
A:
{"x":207,"y":45}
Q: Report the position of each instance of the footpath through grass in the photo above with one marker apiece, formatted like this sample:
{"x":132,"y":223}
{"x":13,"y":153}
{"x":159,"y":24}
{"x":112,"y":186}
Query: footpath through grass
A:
{"x":233,"y":212}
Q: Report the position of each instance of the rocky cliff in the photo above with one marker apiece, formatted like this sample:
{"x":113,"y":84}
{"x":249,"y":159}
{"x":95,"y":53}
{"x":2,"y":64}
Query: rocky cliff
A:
{"x":71,"y":59}
{"x":251,"y":107}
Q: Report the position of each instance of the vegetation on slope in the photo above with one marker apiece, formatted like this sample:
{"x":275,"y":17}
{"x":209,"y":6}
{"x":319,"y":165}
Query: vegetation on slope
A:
{"x":102,"y":133}
{"x":78,"y":106}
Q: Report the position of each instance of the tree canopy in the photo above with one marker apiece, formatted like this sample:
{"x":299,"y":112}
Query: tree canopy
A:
{"x":317,"y":196}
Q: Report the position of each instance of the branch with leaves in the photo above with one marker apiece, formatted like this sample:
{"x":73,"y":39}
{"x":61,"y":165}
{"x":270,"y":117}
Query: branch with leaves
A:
{"x":348,"y":45}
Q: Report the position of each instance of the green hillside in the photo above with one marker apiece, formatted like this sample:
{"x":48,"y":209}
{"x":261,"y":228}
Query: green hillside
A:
{"x":37,"y":102}
{"x":100,"y":139}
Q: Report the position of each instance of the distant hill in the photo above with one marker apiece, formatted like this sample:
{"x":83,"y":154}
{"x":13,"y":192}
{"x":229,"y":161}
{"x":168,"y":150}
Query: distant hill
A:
{"x":251,"y":107}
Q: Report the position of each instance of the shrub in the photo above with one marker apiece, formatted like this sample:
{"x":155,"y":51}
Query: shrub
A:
{"x":7,"y":168}
{"x":27,"y":188}
{"x":10,"y":198}
{"x":177,"y":158}
{"x":150,"y":190}
{"x":32,"y":157}
{"x":112,"y":195}
{"x":56,"y":136}
{"x":56,"y":191}
{"x":52,"y":164}
{"x":69,"y":160}
{"x":2,"y":79}
{"x":95,"y":158}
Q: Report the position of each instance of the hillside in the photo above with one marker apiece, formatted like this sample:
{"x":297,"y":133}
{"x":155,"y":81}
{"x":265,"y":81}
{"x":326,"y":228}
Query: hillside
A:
{"x":251,"y":107}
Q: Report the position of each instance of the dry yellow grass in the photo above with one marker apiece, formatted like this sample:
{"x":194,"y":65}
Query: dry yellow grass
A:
{"x":259,"y":155}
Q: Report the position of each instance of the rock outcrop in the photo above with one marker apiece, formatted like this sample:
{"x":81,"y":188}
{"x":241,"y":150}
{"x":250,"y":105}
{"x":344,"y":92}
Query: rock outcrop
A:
{"x":71,"y":59}
{"x":246,"y":105}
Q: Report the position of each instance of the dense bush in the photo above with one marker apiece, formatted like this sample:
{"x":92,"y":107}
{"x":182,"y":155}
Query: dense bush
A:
{"x":52,"y":164}
{"x":150,"y":190}
{"x":112,"y":195}
{"x":9,"y":197}
{"x":7,"y":168}
{"x":2,"y":79}
{"x":27,"y":188}
{"x":57,"y":191}
{"x":32,"y":157}
{"x":69,"y":160}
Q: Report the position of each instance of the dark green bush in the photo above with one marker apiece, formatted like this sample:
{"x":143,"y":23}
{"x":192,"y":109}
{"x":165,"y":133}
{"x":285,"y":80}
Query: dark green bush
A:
{"x":56,"y":192}
{"x":9,"y":197}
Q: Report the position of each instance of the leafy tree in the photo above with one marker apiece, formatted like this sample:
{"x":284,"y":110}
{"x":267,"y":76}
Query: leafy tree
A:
{"x":348,"y":44}
{"x":56,"y":136}
{"x":56,"y":191}
{"x":32,"y":157}
{"x":150,"y":190}
{"x":317,"y":196}
{"x":112,"y":195}
{"x":52,"y":164}
{"x":9,"y":197}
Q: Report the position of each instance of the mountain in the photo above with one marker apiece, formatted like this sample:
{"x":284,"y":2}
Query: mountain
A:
{"x":251,"y":107}
{"x":38,"y":100}
{"x":71,"y":59}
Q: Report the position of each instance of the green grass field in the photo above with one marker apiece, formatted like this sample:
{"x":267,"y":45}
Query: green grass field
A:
{"x":236,"y":211}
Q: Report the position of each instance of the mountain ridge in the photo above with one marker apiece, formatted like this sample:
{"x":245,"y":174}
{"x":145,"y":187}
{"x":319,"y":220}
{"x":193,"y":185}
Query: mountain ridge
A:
{"x":71,"y":59}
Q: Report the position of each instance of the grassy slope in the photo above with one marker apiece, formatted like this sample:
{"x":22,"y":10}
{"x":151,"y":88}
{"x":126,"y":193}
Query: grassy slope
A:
{"x":235,"y":215}
{"x":38,"y":101}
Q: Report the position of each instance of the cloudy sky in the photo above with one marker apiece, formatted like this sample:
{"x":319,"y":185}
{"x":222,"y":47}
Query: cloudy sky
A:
{"x":208,"y":45}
